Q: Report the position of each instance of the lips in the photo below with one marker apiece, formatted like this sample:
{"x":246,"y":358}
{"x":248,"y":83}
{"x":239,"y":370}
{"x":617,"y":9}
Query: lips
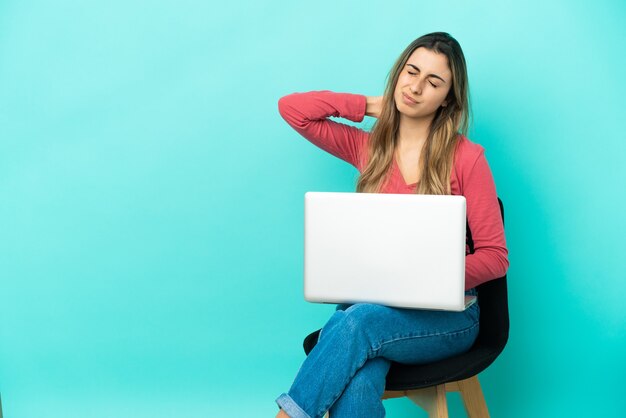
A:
{"x":409,"y":99}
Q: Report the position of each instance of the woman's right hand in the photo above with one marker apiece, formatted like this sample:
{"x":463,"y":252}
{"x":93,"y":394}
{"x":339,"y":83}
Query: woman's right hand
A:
{"x":374,"y":105}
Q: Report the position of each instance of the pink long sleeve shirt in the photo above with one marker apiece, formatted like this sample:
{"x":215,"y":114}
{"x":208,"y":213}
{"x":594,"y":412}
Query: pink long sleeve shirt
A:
{"x":471,"y":176}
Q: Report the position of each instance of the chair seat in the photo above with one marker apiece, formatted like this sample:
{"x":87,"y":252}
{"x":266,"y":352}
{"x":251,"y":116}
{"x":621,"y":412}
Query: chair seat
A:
{"x":417,"y":376}
{"x":463,"y":366}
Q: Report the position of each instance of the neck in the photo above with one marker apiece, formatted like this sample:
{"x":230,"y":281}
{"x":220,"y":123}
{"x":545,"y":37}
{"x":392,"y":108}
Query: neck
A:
{"x":412,"y":133}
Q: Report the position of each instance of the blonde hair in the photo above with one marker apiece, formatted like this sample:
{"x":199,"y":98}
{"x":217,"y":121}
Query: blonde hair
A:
{"x":437,"y":157}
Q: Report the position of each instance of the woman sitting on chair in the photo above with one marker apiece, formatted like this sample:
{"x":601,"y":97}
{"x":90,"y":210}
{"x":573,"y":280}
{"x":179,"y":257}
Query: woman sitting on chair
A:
{"x":417,"y":145}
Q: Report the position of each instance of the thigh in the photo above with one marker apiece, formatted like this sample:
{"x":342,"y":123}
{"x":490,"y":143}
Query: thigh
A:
{"x":412,"y":335}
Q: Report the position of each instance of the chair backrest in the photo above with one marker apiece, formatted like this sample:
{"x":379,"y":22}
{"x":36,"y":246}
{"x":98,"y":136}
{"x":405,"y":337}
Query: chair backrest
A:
{"x":494,"y":306}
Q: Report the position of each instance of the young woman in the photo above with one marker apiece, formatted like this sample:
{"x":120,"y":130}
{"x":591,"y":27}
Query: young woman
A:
{"x":417,"y":145}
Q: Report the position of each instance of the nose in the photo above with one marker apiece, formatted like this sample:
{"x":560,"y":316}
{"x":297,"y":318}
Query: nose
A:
{"x":416,"y":87}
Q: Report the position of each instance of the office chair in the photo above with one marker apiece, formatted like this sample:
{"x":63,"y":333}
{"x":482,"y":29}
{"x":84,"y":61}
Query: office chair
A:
{"x":427,"y":384}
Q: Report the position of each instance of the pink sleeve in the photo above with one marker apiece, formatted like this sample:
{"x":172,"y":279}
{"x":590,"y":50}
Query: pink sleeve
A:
{"x":308,"y":114}
{"x":490,"y":258}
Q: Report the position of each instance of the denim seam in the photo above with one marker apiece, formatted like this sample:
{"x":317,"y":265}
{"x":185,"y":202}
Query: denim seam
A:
{"x":395,"y":339}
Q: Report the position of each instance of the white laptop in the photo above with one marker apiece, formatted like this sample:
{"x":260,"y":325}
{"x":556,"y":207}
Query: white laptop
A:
{"x":402,"y":250}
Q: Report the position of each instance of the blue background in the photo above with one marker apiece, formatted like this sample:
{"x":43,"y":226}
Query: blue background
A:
{"x":152,"y":197}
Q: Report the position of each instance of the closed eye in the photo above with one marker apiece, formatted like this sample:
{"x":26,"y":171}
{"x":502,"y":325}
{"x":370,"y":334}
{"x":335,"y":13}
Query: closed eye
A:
{"x":429,"y":81}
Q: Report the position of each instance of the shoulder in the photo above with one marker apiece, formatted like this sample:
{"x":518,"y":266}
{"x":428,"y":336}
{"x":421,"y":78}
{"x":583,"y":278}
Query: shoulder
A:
{"x":467,"y":155}
{"x":467,"y":152}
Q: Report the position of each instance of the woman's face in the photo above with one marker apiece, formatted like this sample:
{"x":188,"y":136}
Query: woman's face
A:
{"x":423,"y":84}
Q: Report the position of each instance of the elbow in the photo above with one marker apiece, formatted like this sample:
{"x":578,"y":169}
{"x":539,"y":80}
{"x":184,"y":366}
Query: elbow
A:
{"x":495,"y":261}
{"x":288,"y":105}
{"x":288,"y":110}
{"x":283,"y":104}
{"x":501,"y":262}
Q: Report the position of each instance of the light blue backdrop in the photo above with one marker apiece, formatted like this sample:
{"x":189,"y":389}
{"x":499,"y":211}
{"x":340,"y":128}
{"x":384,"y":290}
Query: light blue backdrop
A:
{"x":151,"y":197}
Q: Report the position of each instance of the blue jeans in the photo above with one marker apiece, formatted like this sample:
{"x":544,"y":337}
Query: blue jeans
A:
{"x":345,"y":372}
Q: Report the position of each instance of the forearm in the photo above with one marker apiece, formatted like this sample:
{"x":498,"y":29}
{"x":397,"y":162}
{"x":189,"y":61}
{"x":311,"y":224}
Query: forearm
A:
{"x":308,"y":113}
{"x":300,"y":109}
{"x":485,"y":265}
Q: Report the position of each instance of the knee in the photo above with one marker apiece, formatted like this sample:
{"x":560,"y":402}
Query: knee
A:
{"x":361,"y":316}
{"x":355,"y":325}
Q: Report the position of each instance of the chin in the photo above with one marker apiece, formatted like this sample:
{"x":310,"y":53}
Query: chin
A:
{"x":407,"y":111}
